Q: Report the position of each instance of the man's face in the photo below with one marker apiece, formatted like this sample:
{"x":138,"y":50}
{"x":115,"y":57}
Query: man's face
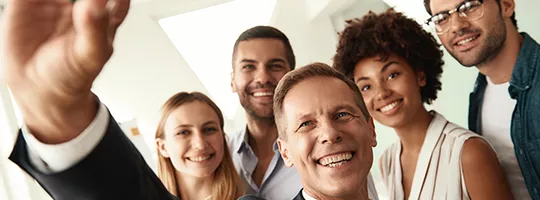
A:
{"x":476,"y":42}
{"x":327,"y":138}
{"x":259,"y":64}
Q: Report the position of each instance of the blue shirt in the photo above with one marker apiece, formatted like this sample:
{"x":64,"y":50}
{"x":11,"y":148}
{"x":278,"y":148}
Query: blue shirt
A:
{"x":279,"y":182}
{"x":525,"y":126}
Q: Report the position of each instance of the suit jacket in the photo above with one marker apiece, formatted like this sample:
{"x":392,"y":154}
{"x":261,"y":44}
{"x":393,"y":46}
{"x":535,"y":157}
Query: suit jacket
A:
{"x":253,"y":197}
{"x":299,"y":196}
{"x":113,"y":170}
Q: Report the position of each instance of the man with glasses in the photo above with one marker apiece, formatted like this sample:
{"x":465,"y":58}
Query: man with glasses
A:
{"x":505,"y":102}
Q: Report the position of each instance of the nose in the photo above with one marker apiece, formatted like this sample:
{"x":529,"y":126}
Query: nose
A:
{"x":329,"y":134}
{"x":198,"y":141}
{"x":262,"y":75}
{"x":458,"y":23}
{"x":382,"y":92}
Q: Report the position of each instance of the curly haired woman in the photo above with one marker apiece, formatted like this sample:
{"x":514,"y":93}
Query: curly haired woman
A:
{"x":397,"y":66}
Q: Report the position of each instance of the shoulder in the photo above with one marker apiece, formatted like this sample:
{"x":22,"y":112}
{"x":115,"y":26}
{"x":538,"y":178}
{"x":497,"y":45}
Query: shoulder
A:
{"x":455,"y":131}
{"x":385,"y":161}
{"x":477,"y":150}
{"x":390,"y":151}
{"x":235,"y":139}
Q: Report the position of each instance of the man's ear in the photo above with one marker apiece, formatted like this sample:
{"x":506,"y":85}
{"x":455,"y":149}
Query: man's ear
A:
{"x":284,"y":151}
{"x":233,"y":86}
{"x":373,"y":133}
{"x":160,"y":143}
{"x":508,"y":8}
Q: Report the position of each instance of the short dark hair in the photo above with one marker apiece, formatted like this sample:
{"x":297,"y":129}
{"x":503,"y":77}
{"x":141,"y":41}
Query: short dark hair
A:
{"x":296,"y":76}
{"x":391,"y":33}
{"x":270,"y":33}
{"x":513,"y":17}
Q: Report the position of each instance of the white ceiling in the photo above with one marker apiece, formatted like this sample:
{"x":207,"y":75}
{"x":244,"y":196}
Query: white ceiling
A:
{"x":412,"y":8}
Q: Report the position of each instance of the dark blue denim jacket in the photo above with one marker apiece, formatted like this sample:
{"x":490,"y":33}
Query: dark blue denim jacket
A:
{"x":525,"y":126}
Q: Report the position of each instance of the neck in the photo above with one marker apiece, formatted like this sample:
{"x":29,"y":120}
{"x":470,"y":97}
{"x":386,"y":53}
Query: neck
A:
{"x":262,"y":135}
{"x":194,"y":188}
{"x":361,"y":194}
{"x":412,"y":135}
{"x":499,"y":69}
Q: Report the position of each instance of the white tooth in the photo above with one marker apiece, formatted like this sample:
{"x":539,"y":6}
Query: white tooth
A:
{"x":465,"y":41}
{"x":261,"y":94}
{"x":332,"y":160}
{"x":389,"y":106}
{"x":199,"y":158}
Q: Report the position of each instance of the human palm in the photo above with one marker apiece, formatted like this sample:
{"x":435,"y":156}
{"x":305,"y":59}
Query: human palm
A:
{"x":52,"y":52}
{"x":54,"y":49}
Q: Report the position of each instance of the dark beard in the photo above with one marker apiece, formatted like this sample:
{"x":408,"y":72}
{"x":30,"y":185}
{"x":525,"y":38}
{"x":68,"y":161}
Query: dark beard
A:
{"x":252,"y":112}
{"x":495,"y":40}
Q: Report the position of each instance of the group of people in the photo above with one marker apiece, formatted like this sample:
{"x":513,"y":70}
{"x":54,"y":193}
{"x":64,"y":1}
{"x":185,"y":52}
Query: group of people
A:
{"x":309,"y":132}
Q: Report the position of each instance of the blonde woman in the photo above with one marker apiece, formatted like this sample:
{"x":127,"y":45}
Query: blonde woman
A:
{"x":193,"y":158}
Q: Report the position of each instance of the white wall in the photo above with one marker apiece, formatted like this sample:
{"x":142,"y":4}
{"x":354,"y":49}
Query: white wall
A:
{"x":145,"y":70}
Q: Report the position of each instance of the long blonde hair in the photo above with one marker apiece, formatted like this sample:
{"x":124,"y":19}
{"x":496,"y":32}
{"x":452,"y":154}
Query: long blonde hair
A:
{"x":227,"y":184}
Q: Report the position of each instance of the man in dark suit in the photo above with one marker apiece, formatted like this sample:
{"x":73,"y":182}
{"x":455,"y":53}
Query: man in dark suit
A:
{"x":325,"y":131}
{"x":53,"y":51}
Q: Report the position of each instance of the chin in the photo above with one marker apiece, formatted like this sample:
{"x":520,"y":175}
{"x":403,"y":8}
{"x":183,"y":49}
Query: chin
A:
{"x":341,"y":190}
{"x":203,"y":174}
{"x":392,"y":122}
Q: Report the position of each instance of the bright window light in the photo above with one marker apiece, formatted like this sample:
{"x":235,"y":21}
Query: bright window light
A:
{"x":205,"y":39}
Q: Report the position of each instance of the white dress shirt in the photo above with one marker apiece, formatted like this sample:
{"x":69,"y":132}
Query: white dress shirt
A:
{"x":53,"y":158}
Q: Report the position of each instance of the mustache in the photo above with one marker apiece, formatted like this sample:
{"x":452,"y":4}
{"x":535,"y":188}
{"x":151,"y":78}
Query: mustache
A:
{"x":261,"y":86}
{"x":465,"y":31}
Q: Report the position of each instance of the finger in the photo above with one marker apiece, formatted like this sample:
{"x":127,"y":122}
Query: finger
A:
{"x":91,"y":46}
{"x":119,"y":10}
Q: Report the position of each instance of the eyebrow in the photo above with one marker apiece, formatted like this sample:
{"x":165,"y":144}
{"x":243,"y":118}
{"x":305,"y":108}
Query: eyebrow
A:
{"x":248,"y":61}
{"x":384,"y":68}
{"x":189,"y":125}
{"x":273,"y":60}
{"x":457,"y":8}
{"x":343,"y":107}
{"x":300,"y":119}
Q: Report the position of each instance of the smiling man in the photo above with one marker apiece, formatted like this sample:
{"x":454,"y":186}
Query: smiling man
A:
{"x":504,"y":104}
{"x":262,"y":55}
{"x":326,"y":132}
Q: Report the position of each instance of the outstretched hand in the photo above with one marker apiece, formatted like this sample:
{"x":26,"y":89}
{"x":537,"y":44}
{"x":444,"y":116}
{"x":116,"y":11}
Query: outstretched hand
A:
{"x":53,"y":51}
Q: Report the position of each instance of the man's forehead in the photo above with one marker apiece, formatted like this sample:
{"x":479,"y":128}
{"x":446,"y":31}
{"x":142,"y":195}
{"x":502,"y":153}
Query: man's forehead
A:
{"x":438,"y":6}
{"x":260,"y":49}
{"x":307,"y":99}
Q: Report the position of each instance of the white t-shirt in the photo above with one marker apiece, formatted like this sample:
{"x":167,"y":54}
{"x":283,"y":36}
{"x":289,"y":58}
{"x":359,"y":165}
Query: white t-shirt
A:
{"x":497,"y":109}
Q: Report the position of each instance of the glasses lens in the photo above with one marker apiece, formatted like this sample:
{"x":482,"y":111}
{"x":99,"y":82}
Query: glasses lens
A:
{"x":471,"y":10}
{"x":440,"y":22}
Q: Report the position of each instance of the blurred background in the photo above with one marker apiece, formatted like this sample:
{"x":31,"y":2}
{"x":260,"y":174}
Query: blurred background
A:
{"x":168,"y":46}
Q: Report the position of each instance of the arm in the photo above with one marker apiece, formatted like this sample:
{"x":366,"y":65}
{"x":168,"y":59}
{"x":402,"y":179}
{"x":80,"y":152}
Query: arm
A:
{"x":50,"y":159}
{"x":53,"y":51}
{"x":484,"y":177}
{"x":112,"y":169}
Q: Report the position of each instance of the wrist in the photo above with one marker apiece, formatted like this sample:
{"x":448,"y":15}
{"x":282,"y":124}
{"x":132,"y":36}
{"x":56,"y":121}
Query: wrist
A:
{"x":60,"y":121}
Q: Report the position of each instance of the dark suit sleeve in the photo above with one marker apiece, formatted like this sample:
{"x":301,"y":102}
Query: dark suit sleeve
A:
{"x":113,"y":170}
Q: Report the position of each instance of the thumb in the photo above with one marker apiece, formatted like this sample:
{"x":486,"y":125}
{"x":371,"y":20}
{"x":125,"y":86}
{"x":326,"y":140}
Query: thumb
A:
{"x":92,"y":47}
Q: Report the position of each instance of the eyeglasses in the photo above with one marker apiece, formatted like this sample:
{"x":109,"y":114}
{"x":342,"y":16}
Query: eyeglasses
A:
{"x":468,"y":10}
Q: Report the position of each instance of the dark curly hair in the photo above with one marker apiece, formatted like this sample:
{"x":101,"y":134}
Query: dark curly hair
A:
{"x":391,"y":33}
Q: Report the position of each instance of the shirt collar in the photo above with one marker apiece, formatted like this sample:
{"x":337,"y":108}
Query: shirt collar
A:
{"x":244,"y":140}
{"x":307,"y":196}
{"x":527,"y":61}
{"x":244,"y":136}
